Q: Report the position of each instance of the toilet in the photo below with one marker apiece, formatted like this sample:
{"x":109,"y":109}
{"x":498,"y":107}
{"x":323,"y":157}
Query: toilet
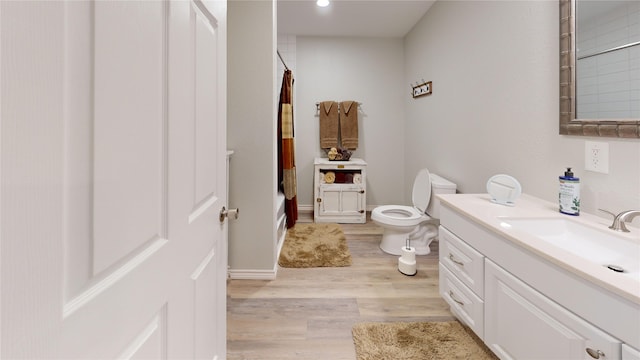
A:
{"x":416,"y":223}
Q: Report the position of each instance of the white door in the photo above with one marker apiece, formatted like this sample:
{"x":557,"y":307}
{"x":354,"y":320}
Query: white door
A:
{"x":112,"y":168}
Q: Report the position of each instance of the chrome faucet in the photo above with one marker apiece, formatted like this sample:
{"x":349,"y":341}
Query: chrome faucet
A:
{"x":619,"y":220}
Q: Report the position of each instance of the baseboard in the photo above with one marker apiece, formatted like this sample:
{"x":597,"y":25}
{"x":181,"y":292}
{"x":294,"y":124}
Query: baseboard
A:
{"x":248,"y":274}
{"x":309,"y":208}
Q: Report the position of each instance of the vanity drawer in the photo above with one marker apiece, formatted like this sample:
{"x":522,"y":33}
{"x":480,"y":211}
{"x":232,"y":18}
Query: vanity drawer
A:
{"x":467,"y":307}
{"x":462,"y":260}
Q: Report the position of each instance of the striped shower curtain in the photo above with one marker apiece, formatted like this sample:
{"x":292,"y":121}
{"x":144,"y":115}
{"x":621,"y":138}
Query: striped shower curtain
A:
{"x":286,"y":150}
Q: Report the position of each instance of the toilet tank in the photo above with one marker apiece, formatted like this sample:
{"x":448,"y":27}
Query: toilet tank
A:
{"x":439,"y":185}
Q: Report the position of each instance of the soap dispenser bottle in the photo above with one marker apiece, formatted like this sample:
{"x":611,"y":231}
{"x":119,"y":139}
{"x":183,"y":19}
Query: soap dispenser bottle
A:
{"x":569,"y":194}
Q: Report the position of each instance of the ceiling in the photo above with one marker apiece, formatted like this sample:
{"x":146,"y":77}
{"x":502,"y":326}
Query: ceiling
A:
{"x":368,"y":18}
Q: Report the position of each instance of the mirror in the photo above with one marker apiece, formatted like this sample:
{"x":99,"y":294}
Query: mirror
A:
{"x":599,"y":84}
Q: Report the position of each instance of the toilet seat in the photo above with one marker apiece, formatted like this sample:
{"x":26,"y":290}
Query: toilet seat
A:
{"x":398,"y":215}
{"x":409,"y":216}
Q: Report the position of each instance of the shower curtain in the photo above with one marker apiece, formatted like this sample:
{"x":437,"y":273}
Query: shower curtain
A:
{"x":286,"y":150}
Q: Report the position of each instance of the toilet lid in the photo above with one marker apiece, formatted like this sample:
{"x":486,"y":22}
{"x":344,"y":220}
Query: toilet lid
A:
{"x":422,"y":190}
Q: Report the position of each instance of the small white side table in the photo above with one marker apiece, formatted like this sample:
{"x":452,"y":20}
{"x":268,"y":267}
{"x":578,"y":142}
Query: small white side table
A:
{"x":340,"y":191}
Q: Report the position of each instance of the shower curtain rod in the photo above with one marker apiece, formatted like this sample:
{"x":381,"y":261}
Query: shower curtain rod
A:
{"x":621,"y":47}
{"x":282,"y":60}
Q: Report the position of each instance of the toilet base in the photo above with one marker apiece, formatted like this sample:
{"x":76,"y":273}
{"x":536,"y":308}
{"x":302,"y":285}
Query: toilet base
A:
{"x":420,"y":239}
{"x":393,"y":244}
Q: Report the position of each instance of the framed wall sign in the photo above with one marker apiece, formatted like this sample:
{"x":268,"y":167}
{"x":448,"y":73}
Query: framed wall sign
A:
{"x":422,"y":89}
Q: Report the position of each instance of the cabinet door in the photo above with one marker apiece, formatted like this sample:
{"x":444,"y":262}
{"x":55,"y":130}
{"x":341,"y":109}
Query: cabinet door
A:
{"x":341,"y":200}
{"x":329,"y":200}
{"x":352,"y":201}
{"x":521,"y":323}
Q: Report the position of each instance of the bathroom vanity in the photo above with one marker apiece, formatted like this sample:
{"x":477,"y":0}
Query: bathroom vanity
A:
{"x":340,"y":191}
{"x":530,"y":292}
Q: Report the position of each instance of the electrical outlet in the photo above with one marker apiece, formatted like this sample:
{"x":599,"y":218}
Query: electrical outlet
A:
{"x":596,"y":156}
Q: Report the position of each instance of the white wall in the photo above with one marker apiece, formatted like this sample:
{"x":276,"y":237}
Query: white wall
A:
{"x":251,"y":108}
{"x":367,"y":70}
{"x":494,"y":108}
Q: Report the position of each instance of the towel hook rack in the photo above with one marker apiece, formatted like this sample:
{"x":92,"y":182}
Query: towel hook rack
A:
{"x":338,"y":103}
{"x":421,"y":89}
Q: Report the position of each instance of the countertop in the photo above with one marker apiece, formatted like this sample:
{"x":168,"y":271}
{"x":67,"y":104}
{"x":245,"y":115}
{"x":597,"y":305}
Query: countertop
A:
{"x":480,"y":209}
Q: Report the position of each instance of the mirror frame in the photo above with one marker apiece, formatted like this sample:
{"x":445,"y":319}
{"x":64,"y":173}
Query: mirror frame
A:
{"x":569,"y":125}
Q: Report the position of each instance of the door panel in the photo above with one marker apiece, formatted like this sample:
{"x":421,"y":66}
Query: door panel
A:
{"x":206,"y":316}
{"x":149,"y":343}
{"x":209,"y":310}
{"x":129,"y":130}
{"x":351,"y":202}
{"x":78,"y":152}
{"x":113,"y":134}
{"x":206,"y":106}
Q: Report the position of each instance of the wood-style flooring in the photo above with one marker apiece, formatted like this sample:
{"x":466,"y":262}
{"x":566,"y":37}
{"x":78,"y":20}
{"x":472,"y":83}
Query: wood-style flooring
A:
{"x":308,"y":313}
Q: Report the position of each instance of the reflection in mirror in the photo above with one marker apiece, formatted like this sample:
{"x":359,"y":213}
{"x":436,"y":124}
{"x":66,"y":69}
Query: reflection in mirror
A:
{"x":600,"y":68}
{"x":607,"y":59}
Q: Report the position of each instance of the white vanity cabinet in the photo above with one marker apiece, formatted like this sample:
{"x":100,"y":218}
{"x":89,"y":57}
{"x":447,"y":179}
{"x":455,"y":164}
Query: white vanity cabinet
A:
{"x":340,"y":191}
{"x":521,"y":304}
{"x":521,"y":323}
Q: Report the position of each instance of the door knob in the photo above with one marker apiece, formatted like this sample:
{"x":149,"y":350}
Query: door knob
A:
{"x":224,"y":213}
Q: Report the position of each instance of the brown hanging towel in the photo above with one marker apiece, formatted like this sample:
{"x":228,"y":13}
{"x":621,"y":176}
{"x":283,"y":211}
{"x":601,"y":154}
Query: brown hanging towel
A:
{"x":349,"y":124}
{"x":328,"y":124}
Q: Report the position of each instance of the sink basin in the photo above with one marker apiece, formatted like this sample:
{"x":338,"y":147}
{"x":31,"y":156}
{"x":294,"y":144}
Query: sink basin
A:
{"x":601,"y":246}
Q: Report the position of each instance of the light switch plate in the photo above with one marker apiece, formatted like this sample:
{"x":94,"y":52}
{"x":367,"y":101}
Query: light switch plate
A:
{"x":596,"y":156}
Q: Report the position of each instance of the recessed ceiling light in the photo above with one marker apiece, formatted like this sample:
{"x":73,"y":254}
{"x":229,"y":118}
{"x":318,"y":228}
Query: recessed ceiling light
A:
{"x":322,"y":3}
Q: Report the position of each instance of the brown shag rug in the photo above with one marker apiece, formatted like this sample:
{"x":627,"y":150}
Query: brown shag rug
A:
{"x":314,"y":245}
{"x":418,"y":341}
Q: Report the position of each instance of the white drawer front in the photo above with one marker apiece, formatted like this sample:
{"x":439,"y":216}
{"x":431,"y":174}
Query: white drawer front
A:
{"x":462,"y":260}
{"x":467,"y":307}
